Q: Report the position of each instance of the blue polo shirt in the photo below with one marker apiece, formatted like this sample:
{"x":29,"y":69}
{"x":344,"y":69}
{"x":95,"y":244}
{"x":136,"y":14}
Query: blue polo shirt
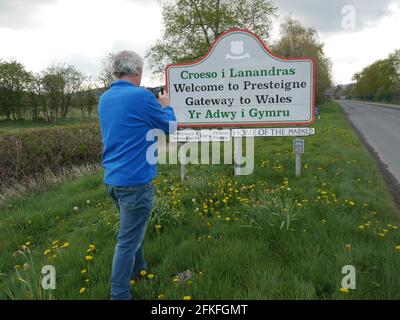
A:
{"x":126,"y":114}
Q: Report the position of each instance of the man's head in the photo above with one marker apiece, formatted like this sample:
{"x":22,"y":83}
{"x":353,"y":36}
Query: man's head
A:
{"x":128,"y":65}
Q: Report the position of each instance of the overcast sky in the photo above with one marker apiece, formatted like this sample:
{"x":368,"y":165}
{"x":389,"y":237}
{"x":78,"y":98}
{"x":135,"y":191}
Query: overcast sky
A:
{"x":81,"y":32}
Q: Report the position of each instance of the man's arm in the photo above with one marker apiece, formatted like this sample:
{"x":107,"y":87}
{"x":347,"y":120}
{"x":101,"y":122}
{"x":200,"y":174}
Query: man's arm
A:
{"x":160,"y":114}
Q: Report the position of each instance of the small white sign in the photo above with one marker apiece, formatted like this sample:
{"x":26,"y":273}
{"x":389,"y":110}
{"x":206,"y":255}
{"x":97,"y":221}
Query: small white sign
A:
{"x":298,"y":146}
{"x":201,"y":135}
{"x":273,"y":132}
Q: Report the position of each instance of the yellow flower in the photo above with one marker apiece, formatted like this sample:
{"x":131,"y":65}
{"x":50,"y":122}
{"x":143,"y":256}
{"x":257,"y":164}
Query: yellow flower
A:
{"x":47,"y":252}
{"x":161,"y":296}
{"x":92,"y":247}
{"x":348,"y":246}
{"x":187,"y":298}
{"x":150,"y":276}
{"x":82,"y":291}
{"x":362,"y":227}
{"x":228,"y":219}
{"x":89,"y":258}
{"x":27,"y":243}
{"x":143,"y":273}
{"x":132,"y":282}
{"x":344,"y":290}
{"x":83,"y":271}
{"x":398,"y":248}
{"x":65,"y":245}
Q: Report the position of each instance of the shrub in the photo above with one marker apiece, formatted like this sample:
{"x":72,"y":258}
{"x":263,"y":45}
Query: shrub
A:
{"x":32,"y":153}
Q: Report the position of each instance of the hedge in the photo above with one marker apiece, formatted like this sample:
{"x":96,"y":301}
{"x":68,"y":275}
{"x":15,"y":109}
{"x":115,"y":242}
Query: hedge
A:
{"x":29,"y":154}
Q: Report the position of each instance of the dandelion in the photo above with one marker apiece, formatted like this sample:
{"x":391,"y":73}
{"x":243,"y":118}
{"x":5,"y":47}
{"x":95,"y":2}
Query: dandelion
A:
{"x":158,"y":227}
{"x":187,"y":298}
{"x":27,"y":243}
{"x":398,"y":248}
{"x":150,"y":276}
{"x":65,"y":245}
{"x":83,"y":271}
{"x":47,"y":252}
{"x":76,"y":208}
{"x":82,"y":290}
{"x":143,"y":273}
{"x":89,"y":258}
{"x":362,"y":227}
{"x":55,"y":242}
{"x":132,"y":282}
{"x":344,"y":290}
{"x":228,"y":219}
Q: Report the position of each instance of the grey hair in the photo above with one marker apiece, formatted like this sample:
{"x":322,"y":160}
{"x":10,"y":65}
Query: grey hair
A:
{"x":126,"y":63}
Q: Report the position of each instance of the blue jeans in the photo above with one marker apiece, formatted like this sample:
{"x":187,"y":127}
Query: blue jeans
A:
{"x":134,"y":204}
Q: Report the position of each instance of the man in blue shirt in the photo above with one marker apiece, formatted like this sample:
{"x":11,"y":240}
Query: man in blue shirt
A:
{"x":127,"y":113}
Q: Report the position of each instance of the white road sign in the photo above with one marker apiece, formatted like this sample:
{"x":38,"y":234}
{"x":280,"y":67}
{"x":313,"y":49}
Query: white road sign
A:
{"x":241,"y":83}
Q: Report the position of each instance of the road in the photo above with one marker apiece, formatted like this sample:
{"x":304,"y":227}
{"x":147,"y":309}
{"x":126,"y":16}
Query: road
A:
{"x":381,"y":128}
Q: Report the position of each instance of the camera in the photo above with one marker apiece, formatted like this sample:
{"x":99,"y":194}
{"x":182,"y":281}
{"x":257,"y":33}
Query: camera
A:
{"x":157,"y":90}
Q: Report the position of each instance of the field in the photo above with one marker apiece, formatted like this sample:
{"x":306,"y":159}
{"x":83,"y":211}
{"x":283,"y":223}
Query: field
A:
{"x":265,"y":236}
{"x":74,"y":117}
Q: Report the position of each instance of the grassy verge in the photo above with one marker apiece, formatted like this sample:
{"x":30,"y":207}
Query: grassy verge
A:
{"x":265,"y":236}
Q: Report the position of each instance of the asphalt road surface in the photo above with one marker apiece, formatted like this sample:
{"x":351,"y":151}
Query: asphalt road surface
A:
{"x":381,"y":128}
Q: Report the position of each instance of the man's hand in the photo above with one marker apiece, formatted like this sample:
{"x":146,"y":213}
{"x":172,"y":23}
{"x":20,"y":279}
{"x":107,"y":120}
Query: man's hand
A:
{"x":163,"y":98}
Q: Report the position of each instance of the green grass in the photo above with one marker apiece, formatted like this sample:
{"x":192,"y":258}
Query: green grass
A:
{"x":73,"y":118}
{"x":237,"y":249}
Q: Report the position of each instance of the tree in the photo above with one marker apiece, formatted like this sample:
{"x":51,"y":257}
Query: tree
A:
{"x":191,"y":26}
{"x":14,"y":80}
{"x":60,"y":83}
{"x":86,"y":99}
{"x":380,"y":81}
{"x":299,"y":41}
{"x":106,"y":77}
